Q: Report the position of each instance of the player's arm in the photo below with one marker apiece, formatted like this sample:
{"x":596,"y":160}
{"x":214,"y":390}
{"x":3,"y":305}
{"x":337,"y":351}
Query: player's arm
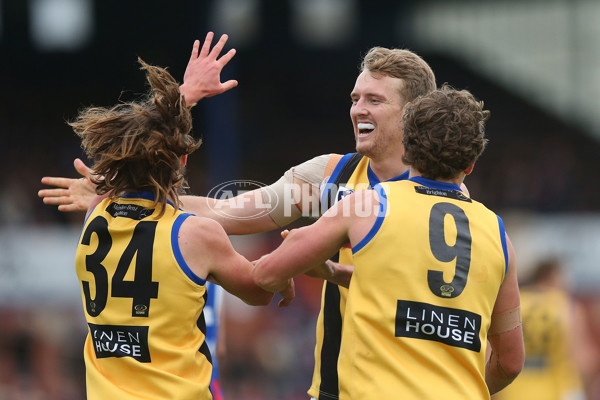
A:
{"x":243,"y":214}
{"x":293,"y":195}
{"x":310,"y":247}
{"x":208,"y":252}
{"x":331,"y":271}
{"x":506,"y":334}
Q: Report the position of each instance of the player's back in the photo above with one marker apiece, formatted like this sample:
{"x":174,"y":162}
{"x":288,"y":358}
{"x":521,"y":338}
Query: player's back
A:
{"x":143,"y":305}
{"x":421,"y":297}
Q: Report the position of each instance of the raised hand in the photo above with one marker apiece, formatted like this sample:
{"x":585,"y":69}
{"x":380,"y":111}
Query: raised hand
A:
{"x":202,"y":77}
{"x":70,"y":194}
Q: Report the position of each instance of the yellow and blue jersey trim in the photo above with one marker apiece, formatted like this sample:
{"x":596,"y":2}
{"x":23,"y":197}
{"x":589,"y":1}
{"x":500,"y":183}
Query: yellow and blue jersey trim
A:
{"x":177,"y":251}
{"x":378,"y":221}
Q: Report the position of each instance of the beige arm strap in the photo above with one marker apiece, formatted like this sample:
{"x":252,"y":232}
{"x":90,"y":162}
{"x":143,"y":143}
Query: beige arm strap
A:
{"x":505,"y":322}
{"x":286,"y":196}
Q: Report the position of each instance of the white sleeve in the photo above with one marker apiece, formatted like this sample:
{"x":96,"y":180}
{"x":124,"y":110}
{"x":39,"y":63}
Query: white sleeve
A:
{"x":283,"y":195}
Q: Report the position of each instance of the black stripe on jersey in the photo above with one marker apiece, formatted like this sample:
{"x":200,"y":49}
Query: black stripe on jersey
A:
{"x":201,"y":324}
{"x":332,"y":337}
{"x":332,"y":318}
{"x":342,"y":178}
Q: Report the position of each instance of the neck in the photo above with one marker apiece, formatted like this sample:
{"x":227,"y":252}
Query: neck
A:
{"x":388,"y":168}
{"x":457,"y":181}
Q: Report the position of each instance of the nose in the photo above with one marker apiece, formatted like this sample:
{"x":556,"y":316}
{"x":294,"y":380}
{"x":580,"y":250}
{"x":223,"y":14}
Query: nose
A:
{"x":358,"y":108}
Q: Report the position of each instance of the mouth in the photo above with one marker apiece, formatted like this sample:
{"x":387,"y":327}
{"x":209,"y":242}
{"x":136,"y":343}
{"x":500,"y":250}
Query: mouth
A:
{"x":364,"y":129}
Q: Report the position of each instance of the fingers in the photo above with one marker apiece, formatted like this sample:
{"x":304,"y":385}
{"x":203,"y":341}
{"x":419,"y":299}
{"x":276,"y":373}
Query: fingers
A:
{"x":195,"y":47}
{"x":206,"y":46}
{"x":229,"y":85}
{"x":285,"y":302}
{"x":227,"y":57}
{"x":287,"y":299}
{"x":284,"y":233}
{"x":214,"y":53}
{"x":288,"y":294}
{"x":83,"y":169}
{"x":69,"y":208}
{"x":55,"y":181}
{"x":53,"y":193}
{"x":57,"y":200}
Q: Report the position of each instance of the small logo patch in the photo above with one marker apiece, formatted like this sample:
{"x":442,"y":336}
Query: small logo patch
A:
{"x":450,"y":194}
{"x":343,"y":192}
{"x":131,"y":211}
{"x":447,"y":290}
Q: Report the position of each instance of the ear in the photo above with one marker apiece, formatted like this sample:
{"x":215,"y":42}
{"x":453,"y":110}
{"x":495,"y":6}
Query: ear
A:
{"x":470,"y":169}
{"x":184,"y":160}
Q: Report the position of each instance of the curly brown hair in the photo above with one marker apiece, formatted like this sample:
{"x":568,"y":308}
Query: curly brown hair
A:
{"x":444,"y":132}
{"x":137,"y":146}
{"x":417,"y":76}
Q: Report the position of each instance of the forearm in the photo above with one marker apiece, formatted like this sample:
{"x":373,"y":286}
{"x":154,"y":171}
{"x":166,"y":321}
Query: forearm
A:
{"x":198,"y":205}
{"x":496,"y":377}
{"x":274,"y":286}
{"x":506,"y":359}
{"x":303,"y":250}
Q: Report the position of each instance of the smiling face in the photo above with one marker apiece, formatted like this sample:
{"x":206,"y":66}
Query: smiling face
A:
{"x":376,"y":114}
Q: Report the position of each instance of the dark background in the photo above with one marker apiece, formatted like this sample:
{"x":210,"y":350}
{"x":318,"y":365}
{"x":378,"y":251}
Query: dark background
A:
{"x":292,"y":104}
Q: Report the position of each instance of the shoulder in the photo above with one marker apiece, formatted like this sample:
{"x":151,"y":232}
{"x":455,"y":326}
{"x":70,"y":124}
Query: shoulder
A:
{"x":315,"y":170}
{"x":356,"y":204}
{"x":322,"y":160}
{"x":332,"y":161}
{"x":361,"y":196}
{"x":196,"y":228}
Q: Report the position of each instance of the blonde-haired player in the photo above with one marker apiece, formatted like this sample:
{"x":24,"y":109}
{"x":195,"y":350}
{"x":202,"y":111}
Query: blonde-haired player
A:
{"x":434,"y":272}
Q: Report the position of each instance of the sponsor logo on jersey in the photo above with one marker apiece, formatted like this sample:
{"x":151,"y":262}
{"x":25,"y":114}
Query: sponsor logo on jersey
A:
{"x":451,"y":194}
{"x":450,"y":326}
{"x":131,"y":211}
{"x":120,"y":341}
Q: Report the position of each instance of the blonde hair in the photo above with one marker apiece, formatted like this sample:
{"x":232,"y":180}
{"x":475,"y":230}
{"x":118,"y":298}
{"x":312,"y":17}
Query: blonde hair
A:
{"x":417,"y":76}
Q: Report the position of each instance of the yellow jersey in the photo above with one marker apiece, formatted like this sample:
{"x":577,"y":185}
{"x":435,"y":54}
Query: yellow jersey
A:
{"x":142,"y":303}
{"x":333,"y":299}
{"x":421,"y":297}
{"x":549,"y":372}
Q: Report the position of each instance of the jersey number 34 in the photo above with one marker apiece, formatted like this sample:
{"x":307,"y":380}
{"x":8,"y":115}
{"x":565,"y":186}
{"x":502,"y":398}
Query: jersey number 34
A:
{"x":141,"y":289}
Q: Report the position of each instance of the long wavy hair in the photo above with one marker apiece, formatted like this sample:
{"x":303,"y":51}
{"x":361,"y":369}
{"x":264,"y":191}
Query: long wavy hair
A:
{"x":137,"y":146}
